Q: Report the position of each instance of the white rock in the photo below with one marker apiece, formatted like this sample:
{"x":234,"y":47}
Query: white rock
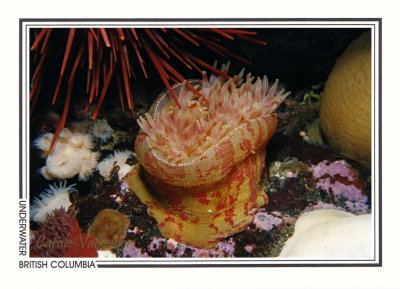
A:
{"x":331,"y":234}
{"x":104,"y":254}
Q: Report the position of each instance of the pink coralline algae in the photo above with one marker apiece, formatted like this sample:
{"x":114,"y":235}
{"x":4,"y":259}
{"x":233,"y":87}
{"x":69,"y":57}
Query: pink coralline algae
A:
{"x":322,"y":206}
{"x":174,"y":249}
{"x":156,"y":243}
{"x":332,"y":169}
{"x":222,"y":249}
{"x":131,"y":250}
{"x":289,"y":220}
{"x":266,"y":222}
{"x":201,"y":253}
{"x":227,"y":246}
{"x":250,"y":248}
{"x":357,"y":208}
{"x":340,"y":179}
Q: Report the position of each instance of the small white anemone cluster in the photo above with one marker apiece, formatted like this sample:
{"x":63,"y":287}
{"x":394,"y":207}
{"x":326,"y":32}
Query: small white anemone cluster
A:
{"x":180,"y":134}
{"x":118,"y":158}
{"x":54,"y":197}
{"x":72,"y":155}
{"x":101,"y":130}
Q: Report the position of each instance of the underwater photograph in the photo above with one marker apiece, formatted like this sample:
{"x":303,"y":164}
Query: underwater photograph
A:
{"x":197,"y":140}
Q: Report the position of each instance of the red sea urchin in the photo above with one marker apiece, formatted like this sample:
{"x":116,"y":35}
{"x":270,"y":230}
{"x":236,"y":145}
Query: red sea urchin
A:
{"x":113,"y":56}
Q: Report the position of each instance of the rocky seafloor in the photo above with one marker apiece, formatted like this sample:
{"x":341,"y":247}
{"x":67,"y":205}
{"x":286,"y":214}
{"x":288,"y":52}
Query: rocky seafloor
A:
{"x":302,"y":173}
{"x":301,"y":177}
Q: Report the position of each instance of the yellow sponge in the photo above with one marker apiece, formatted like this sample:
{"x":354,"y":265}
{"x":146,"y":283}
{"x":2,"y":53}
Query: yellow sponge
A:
{"x":345,"y":112}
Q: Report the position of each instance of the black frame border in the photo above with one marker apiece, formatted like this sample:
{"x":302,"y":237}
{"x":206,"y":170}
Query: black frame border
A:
{"x":244,"y":263}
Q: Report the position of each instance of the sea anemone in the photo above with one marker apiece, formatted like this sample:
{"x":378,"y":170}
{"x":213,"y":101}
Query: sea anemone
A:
{"x":79,"y":140}
{"x":109,"y":228}
{"x":181,"y":135}
{"x":118,"y":158}
{"x":60,"y":236}
{"x":105,"y":58}
{"x":201,"y":164}
{"x":64,"y":162}
{"x":72,"y":155}
{"x":43,"y":143}
{"x":101,"y":130}
{"x":54,"y":197}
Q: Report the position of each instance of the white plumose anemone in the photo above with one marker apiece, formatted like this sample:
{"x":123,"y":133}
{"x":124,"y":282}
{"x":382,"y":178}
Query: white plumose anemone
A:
{"x":64,"y":162}
{"x":102,"y":130}
{"x":89,"y":162}
{"x":72,"y":155}
{"x":118,"y":158}
{"x":81,"y":140}
{"x":44,"y":141}
{"x":105,"y":167}
{"x":52,"y":198}
{"x":65,"y":134}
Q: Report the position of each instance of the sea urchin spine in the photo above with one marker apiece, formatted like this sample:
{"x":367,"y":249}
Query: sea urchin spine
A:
{"x":107,"y":54}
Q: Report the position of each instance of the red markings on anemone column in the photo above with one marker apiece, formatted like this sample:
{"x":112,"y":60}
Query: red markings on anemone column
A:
{"x":203,"y":200}
{"x":225,"y":152}
{"x":214,"y":227}
{"x":245,"y":145}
